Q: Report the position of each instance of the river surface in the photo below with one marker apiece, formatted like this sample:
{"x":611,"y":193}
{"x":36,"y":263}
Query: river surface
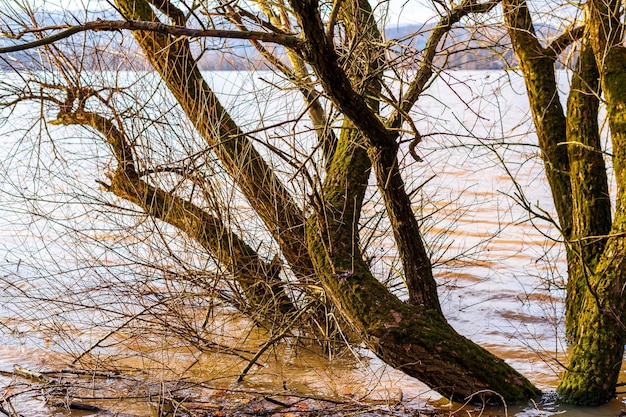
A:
{"x":501,"y":272}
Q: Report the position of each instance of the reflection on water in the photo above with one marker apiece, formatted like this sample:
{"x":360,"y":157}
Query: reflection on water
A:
{"x":501,"y":276}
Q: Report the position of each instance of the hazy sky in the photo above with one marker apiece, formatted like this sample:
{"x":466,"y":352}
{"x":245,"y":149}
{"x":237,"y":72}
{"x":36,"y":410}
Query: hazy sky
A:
{"x":409,"y":11}
{"x":400,"y":11}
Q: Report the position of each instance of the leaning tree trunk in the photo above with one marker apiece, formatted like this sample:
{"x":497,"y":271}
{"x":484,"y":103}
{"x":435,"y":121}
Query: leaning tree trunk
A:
{"x":266,"y":301}
{"x":172,"y":59}
{"x":412,"y":337}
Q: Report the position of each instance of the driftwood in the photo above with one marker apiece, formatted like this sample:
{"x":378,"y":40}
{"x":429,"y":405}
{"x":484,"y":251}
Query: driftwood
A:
{"x":78,"y":390}
{"x":27,"y":373}
{"x":74,"y":405}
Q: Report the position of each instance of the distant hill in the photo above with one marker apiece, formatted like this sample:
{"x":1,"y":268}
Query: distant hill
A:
{"x":486,"y":47}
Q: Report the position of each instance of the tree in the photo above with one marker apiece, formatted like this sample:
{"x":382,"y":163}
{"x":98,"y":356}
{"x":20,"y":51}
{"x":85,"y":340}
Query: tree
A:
{"x":337,"y":64}
{"x":573,"y":154}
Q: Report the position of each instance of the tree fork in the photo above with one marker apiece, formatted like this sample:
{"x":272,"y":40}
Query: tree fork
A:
{"x":413,"y":338}
{"x":591,"y":376}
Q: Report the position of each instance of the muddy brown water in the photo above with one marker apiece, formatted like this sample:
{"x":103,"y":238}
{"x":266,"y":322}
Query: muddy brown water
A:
{"x":501,"y":277}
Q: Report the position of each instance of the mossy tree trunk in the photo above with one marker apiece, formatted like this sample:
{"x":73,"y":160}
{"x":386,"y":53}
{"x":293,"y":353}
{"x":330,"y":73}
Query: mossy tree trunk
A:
{"x":413,"y":337}
{"x":591,"y":205}
{"x":579,"y":181}
{"x":597,"y":356}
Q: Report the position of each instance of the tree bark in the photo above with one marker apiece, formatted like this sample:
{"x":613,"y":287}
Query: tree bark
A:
{"x":414,"y":338}
{"x":595,"y":362}
{"x":591,"y":205}
{"x":267,"y":302}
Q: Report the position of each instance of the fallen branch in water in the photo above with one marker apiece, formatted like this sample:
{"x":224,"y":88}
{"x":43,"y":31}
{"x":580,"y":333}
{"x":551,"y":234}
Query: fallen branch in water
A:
{"x":74,"y":405}
{"x":184,"y":398}
{"x":27,"y":373}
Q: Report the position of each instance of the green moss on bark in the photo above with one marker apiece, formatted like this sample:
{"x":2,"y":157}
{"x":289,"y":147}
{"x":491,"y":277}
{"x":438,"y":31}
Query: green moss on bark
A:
{"x":591,"y":206}
{"x":591,"y":376}
{"x":596,"y":358}
{"x":414,"y":339}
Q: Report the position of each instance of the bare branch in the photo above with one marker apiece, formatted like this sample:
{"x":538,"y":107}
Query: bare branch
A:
{"x":254,"y":18}
{"x":299,"y":75}
{"x":333,"y":20}
{"x":323,"y":58}
{"x":286,"y":40}
{"x":258,"y":279}
{"x":426,"y":68}
{"x":566,"y":39}
{"x":174,"y":13}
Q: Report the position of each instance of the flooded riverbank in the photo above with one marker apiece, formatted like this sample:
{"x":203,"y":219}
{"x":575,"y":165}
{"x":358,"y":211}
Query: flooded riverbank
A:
{"x":81,"y":282}
{"x":303,"y":387}
{"x":134,"y":376}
